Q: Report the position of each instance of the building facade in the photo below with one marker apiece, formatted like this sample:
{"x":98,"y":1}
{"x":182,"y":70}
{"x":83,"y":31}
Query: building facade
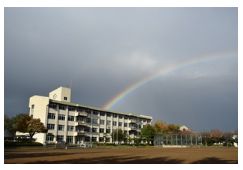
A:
{"x":77,"y":124}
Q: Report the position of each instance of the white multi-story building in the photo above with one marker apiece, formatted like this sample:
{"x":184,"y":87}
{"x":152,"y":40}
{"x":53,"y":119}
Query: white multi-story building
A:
{"x":75,"y":123}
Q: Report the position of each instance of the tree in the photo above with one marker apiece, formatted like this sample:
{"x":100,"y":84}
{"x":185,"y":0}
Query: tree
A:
{"x":147,"y":133}
{"x":161,"y":127}
{"x":27,"y":124}
{"x":8,"y":125}
{"x":118,"y":135}
{"x":172,"y":128}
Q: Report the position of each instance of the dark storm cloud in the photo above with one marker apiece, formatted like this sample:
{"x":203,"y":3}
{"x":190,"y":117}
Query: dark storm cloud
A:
{"x":100,"y":51}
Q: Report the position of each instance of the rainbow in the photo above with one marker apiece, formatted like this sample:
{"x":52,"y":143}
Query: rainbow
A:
{"x":160,"y":72}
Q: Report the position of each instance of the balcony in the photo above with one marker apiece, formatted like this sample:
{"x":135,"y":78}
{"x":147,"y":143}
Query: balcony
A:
{"x":133,"y":121}
{"x":82,"y":123}
{"x":133,"y":128}
{"x":81,"y":132}
{"x":81,"y":114}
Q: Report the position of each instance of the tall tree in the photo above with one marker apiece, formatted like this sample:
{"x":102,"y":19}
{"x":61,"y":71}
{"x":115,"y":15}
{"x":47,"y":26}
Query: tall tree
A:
{"x":118,"y":135}
{"x":27,"y":124}
{"x":147,"y":133}
{"x":172,"y":128}
{"x":8,"y":125}
{"x":161,"y":127}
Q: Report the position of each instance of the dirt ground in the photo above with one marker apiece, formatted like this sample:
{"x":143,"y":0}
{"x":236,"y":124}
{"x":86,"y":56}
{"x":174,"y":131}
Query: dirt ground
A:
{"x":121,"y":155}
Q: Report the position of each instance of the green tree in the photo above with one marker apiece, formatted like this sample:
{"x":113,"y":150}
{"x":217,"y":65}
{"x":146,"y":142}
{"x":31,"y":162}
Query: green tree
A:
{"x":28,"y":124}
{"x":8,"y":124}
{"x":118,"y":135}
{"x":147,"y":133}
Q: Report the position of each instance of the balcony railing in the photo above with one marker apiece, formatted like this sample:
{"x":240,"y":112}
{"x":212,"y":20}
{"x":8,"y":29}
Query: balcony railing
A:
{"x":81,"y":114}
{"x":133,"y":128}
{"x":83,"y":123}
{"x":133,"y":121}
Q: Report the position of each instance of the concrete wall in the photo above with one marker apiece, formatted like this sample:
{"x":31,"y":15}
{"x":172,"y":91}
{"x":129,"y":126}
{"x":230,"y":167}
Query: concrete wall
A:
{"x":39,"y":109}
{"x":60,"y":93}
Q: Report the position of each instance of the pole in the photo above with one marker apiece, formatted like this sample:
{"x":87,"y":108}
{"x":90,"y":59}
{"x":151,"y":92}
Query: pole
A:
{"x":181,"y":139}
{"x":117,"y":134}
{"x":91,"y":135}
{"x":191,"y":139}
{"x":186,"y":139}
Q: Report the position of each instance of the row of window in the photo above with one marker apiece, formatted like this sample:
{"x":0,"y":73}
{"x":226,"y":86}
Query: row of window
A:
{"x":71,"y":128}
{"x":69,"y":139}
{"x":94,"y":121}
{"x":60,"y":117}
{"x":60,"y":127}
{"x":71,"y":108}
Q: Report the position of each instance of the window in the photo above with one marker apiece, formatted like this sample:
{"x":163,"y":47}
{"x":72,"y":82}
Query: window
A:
{"x":62,"y":107}
{"x":94,"y":139}
{"x":50,"y":126}
{"x":51,"y":115}
{"x":108,"y":131}
{"x":125,"y":124}
{"x":95,"y":121}
{"x":87,"y":111}
{"x":120,"y":116}
{"x":94,"y":130}
{"x":32,"y":106}
{"x":114,"y":115}
{"x":52,"y":105}
{"x":102,"y":114}
{"x":120,"y":124}
{"x":70,"y":128}
{"x":49,"y":137}
{"x":108,"y":122}
{"x":65,"y":98}
{"x":101,"y":139}
{"x":101,"y":130}
{"x":61,"y":117}
{"x":108,"y":114}
{"x":70,"y":118}
{"x":60,"y":137}
{"x":114,"y":123}
{"x":125,"y":117}
{"x":102,"y":122}
{"x":70,"y":108}
{"x":61,"y":127}
{"x":107,"y":139}
{"x":69,"y":139}
{"x":79,"y":109}
{"x":88,"y":120}
{"x":95,"y":113}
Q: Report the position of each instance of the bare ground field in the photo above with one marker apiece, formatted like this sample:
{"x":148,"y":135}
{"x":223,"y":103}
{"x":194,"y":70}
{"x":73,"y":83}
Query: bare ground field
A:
{"x":121,"y":155}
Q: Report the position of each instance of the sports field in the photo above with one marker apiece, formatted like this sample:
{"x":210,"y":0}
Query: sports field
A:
{"x":121,"y":155}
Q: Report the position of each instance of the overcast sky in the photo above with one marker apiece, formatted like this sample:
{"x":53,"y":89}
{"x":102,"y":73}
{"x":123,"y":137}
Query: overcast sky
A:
{"x":101,"y":51}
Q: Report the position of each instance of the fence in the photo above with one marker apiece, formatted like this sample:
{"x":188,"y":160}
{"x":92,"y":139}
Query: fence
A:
{"x":178,"y":139}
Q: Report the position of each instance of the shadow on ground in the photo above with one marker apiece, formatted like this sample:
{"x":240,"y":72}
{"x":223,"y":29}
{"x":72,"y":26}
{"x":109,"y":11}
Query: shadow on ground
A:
{"x":137,"y":160}
{"x":115,"y":160}
{"x":214,"y":160}
{"x":31,"y":155}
